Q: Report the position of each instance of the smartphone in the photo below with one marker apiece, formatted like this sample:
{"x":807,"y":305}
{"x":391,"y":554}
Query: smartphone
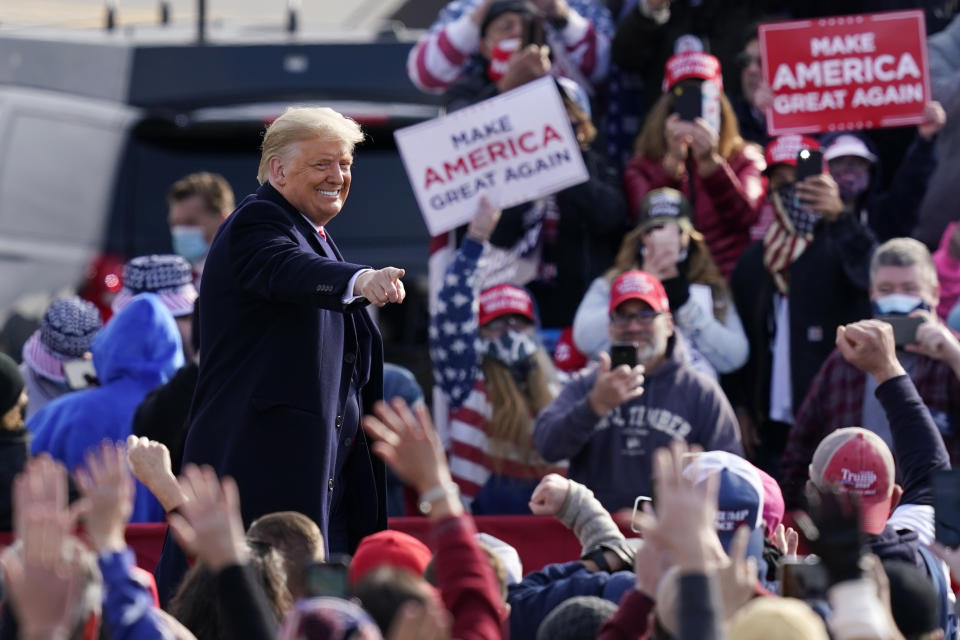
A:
{"x":809,"y":163}
{"x":946,"y":507}
{"x":80,"y":374}
{"x":803,"y":578}
{"x":327,"y":579}
{"x":534,"y":34}
{"x":904,"y":328}
{"x":637,"y":507}
{"x":688,"y":101}
{"x":623,"y":353}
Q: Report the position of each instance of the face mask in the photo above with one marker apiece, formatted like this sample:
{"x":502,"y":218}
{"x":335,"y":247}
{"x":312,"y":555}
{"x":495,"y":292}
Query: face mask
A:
{"x":802,"y":218}
{"x":189,"y":242}
{"x":514,"y":350}
{"x":899,"y":304}
{"x":500,"y":57}
{"x":851,"y":182}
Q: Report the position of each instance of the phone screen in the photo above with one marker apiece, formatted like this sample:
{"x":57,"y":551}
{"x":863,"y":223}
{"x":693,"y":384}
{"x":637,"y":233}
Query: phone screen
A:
{"x":326,"y":579}
{"x":688,"y":101}
{"x":946,"y":506}
{"x":904,"y":328}
{"x":80,"y":373}
{"x":809,"y":163}
{"x":623,"y":353}
{"x":804,"y":578}
{"x":534,"y":33}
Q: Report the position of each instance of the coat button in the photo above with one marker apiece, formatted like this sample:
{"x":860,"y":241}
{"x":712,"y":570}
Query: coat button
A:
{"x":330,"y":484}
{"x":319,"y":288}
{"x":339,"y":421}
{"x":346,"y":442}
{"x":349,"y":358}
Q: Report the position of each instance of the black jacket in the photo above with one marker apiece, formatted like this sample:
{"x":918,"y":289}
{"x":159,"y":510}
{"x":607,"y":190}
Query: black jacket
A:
{"x":829,"y":286}
{"x":162,"y":416}
{"x":14,"y":453}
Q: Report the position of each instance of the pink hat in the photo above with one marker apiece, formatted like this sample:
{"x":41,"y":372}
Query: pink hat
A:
{"x":773,"y":507}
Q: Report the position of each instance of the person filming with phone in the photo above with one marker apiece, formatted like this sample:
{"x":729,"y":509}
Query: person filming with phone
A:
{"x":903,"y":292}
{"x":609,"y":419}
{"x":665,"y":245}
{"x":691,"y":142}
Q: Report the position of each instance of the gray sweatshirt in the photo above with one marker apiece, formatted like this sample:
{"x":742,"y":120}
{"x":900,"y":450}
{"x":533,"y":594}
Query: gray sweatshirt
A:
{"x":613,"y":454}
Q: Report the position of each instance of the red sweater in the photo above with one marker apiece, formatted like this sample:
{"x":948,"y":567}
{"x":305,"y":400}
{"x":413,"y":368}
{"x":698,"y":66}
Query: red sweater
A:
{"x":466,"y":581}
{"x":727,"y":200}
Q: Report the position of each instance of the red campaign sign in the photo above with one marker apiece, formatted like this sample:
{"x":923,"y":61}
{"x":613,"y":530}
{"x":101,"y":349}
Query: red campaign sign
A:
{"x":846,"y":72}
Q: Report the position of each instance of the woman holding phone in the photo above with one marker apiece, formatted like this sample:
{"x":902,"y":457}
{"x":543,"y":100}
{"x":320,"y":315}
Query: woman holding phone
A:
{"x":666,"y":245}
{"x":700,"y":153}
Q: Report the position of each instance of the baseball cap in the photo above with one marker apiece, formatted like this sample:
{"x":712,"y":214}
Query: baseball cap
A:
{"x":858,"y":462}
{"x":168,"y":276}
{"x":662,"y":204}
{"x":388,"y":548}
{"x":691,"y":65}
{"x":505,"y":299}
{"x":783,"y":150}
{"x":638,"y":285}
{"x":773,"y":506}
{"x":848,"y":145}
{"x":739,"y":498}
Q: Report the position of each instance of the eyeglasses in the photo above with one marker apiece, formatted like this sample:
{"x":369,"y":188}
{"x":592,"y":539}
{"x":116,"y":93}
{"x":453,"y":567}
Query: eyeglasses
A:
{"x":644,"y":317}
{"x":745,"y":60}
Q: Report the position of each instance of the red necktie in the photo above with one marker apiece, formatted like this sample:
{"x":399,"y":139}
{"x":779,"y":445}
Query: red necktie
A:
{"x":323,"y":233}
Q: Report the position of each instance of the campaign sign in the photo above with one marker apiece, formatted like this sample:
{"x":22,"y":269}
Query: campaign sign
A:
{"x":846,"y":72}
{"x":512,"y":148}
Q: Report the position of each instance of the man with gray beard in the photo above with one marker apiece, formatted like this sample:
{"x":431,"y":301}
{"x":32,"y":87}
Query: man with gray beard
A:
{"x":608,"y":420}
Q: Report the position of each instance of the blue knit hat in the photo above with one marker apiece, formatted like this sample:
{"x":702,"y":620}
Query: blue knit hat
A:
{"x":168,"y":276}
{"x":67,"y":331}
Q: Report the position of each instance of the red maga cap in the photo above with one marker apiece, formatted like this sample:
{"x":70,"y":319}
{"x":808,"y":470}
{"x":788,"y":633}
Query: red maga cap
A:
{"x":856,"y":461}
{"x":638,"y":285}
{"x":783,"y":150}
{"x":505,"y":299}
{"x":691,"y":64}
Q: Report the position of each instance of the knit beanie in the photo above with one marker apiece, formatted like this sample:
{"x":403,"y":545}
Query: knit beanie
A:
{"x":578,"y":618}
{"x":792,"y":619}
{"x":11,"y":384}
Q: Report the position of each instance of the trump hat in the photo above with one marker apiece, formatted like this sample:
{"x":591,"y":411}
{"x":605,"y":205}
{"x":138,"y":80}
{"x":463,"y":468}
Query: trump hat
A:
{"x":505,"y":299}
{"x":638,"y":285}
{"x":692,"y":65}
{"x":739,"y":499}
{"x":783,"y":150}
{"x":856,"y":461}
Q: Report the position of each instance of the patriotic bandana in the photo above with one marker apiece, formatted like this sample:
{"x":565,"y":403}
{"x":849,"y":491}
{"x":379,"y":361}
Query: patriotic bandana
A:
{"x":788,"y":236}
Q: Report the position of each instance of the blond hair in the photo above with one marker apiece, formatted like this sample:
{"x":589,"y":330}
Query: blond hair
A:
{"x":511,"y":423}
{"x":305,"y":123}
{"x":701,"y":268}
{"x":652,"y":141}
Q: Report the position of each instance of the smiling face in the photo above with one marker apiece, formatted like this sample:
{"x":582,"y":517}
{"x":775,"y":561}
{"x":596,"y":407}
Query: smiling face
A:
{"x":314,"y":176}
{"x":635,"y":321}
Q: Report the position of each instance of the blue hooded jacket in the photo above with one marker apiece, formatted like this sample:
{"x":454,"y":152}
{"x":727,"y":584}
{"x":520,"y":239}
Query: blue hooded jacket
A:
{"x":138,"y":350}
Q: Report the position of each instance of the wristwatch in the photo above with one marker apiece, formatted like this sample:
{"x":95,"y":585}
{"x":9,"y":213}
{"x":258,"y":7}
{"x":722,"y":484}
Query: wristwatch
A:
{"x":427,"y":498}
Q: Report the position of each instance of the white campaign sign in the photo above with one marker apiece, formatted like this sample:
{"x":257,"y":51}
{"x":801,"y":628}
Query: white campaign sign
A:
{"x":512,"y":148}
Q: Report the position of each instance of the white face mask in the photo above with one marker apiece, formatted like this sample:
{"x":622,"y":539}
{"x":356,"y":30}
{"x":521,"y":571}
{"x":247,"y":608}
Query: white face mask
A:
{"x":189,"y":242}
{"x":898,"y":304}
